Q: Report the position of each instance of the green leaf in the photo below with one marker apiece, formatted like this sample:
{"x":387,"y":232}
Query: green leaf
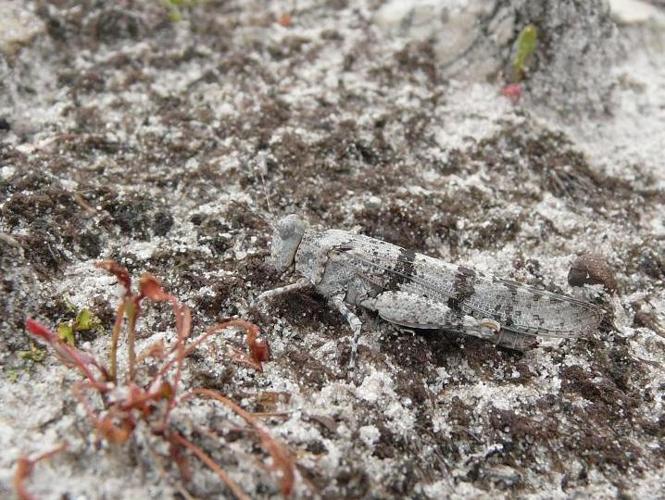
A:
{"x":526,"y":46}
{"x":84,"y":320}
{"x":12,"y":375}
{"x":66,"y":333}
{"x":175,"y":15}
{"x":35,"y":354}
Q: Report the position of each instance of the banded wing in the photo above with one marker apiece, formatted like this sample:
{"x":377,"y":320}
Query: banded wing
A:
{"x":516,"y":307}
{"x":524,"y":309}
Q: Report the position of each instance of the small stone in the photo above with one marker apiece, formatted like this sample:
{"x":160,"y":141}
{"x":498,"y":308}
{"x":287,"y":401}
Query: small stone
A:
{"x":632,"y":12}
{"x":373,"y":202}
{"x":592,"y":269}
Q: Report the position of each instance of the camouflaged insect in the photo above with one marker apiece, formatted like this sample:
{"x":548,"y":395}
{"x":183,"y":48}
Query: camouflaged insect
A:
{"x":416,"y":291}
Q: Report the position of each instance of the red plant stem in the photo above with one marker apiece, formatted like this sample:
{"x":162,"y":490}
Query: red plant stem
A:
{"x":25,"y":466}
{"x":137,"y":402}
{"x":237,"y":323}
{"x":77,"y":390}
{"x":115,"y":336}
{"x":69,"y":355}
{"x":86,"y":371}
{"x":132,"y":315}
{"x":24,"y":469}
{"x":219,"y":327}
{"x":206,"y":459}
{"x":194,"y":344}
{"x":183,"y":326}
{"x":104,"y":426}
{"x":280,"y":456}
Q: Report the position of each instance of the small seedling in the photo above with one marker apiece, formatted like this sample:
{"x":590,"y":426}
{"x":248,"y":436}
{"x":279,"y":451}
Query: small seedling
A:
{"x":526,"y":46}
{"x":12,"y":376}
{"x":85,"y":321}
{"x":35,"y":354}
{"x":175,"y":8}
{"x":126,"y":401}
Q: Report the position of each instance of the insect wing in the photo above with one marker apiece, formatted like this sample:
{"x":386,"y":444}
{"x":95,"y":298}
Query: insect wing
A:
{"x":518,"y":308}
{"x":525,"y":309}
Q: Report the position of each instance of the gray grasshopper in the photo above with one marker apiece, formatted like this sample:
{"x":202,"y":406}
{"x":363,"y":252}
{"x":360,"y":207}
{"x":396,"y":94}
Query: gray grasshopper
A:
{"x":413,"y":290}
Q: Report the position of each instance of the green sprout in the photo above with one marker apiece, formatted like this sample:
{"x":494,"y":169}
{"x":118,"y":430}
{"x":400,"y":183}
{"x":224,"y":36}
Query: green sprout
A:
{"x":12,"y":376}
{"x":175,"y":8}
{"x":35,"y":354}
{"x":66,"y":333}
{"x":526,"y":46}
{"x":85,"y":321}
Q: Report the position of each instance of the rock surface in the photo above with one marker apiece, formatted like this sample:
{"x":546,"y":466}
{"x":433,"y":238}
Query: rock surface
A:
{"x":18,"y":27}
{"x":167,"y":136}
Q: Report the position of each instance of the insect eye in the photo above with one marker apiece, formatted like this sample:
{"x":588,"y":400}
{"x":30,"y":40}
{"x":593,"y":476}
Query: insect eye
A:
{"x":290,"y":228}
{"x":286,"y":230}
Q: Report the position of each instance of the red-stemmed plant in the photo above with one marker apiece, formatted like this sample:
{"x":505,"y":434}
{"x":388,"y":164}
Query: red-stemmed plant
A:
{"x":154,"y":401}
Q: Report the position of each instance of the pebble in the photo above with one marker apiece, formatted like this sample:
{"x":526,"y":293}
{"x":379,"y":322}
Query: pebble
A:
{"x":592,"y":269}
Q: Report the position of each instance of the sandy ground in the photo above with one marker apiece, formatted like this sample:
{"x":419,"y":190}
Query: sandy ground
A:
{"x":168,"y":138}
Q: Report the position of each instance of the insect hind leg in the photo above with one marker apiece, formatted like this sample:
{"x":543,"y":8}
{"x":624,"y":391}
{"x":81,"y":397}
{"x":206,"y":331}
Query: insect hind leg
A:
{"x":515,"y":341}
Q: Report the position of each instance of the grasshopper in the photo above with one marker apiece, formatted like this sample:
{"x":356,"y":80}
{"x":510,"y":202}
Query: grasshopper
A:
{"x":415,"y":291}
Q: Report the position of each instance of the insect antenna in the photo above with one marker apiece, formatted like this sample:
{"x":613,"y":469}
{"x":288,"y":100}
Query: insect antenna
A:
{"x":261,"y":165}
{"x":272,"y":218}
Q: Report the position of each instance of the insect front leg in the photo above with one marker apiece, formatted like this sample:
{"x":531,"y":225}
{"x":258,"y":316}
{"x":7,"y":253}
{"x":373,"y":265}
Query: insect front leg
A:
{"x":275,"y":292}
{"x":354,"y":323}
